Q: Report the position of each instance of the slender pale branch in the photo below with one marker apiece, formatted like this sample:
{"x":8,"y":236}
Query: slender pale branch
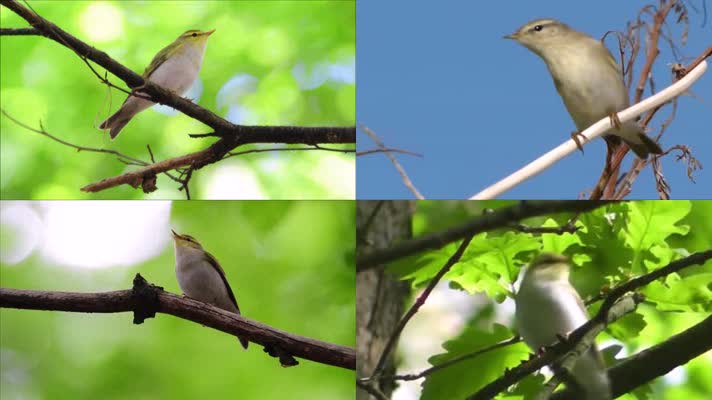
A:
{"x":419,"y":302}
{"x":401,"y":171}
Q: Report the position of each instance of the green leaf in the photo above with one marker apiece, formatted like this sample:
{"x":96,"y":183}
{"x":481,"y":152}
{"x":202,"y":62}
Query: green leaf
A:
{"x":464,"y":378}
{"x":652,"y":222}
{"x":693,"y":293}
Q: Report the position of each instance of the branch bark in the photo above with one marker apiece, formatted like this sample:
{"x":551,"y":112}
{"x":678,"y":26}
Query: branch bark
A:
{"x":655,"y":361}
{"x":279,"y":343}
{"x":498,"y":219}
{"x":231,"y":135}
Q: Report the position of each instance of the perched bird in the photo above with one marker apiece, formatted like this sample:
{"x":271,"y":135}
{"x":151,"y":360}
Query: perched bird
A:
{"x":587,"y":78}
{"x":175,"y":67}
{"x":547,"y":305}
{"x":200,"y":276}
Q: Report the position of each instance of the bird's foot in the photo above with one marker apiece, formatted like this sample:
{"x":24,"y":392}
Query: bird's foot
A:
{"x":576,"y":137}
{"x":615,"y":121}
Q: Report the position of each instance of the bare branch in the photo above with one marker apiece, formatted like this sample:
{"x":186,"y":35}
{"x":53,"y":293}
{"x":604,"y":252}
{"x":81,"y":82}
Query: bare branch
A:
{"x":417,"y":304}
{"x":388,"y":150}
{"x":404,"y":176}
{"x":500,"y":218}
{"x":655,"y":361}
{"x":182,"y":307}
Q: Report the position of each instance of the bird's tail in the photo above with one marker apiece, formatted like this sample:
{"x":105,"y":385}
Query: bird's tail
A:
{"x":591,"y":377}
{"x":640,"y":143}
{"x":116,"y":123}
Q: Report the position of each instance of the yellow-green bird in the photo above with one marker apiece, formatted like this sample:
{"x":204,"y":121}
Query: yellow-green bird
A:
{"x":201,"y":277}
{"x":175,"y":67}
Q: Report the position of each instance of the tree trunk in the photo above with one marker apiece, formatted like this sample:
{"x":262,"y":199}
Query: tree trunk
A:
{"x":379,"y":296}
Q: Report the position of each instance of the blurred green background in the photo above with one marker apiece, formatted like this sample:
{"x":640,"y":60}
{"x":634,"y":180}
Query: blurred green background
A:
{"x":290,"y":265}
{"x":268,"y":63}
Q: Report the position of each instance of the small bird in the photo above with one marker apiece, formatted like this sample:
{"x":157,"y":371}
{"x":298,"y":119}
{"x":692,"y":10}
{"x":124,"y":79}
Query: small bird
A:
{"x":587,"y":78}
{"x":547,"y":305}
{"x":200,"y":276}
{"x":175,"y":67}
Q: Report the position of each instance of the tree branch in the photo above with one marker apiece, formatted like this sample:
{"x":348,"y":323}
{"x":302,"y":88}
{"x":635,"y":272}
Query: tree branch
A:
{"x":231,"y":135}
{"x":575,"y":342}
{"x":401,"y":171}
{"x":281,"y":343}
{"x":547,"y":160}
{"x":500,"y":218}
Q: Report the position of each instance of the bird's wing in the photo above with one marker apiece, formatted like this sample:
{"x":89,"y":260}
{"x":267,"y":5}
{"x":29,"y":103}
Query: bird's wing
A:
{"x":214,"y":263}
{"x":159,"y":59}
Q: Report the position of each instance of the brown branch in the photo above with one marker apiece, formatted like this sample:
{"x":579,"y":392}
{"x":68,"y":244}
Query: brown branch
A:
{"x":576,"y":343}
{"x":232,"y":135}
{"x":120,"y":156}
{"x":182,"y":307}
{"x":500,"y":218}
{"x":19,"y":32}
{"x":656,"y":361}
{"x":390,"y":345}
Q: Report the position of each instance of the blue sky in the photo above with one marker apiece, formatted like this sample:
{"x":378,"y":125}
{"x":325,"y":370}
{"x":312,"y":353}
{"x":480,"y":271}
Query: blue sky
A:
{"x":441,"y":81}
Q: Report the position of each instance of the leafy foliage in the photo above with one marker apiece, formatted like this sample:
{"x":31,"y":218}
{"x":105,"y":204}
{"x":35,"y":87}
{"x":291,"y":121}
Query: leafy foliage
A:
{"x":612,"y":244}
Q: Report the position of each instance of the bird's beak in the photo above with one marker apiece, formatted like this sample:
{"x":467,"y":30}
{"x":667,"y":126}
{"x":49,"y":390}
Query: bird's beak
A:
{"x":175,"y":235}
{"x":208,"y":33}
{"x":513,"y":36}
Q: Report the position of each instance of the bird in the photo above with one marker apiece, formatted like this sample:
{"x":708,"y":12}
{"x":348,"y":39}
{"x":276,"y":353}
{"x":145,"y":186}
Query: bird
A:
{"x":175,"y":67}
{"x":201,"y":277}
{"x":588,"y":79}
{"x":548,"y":306}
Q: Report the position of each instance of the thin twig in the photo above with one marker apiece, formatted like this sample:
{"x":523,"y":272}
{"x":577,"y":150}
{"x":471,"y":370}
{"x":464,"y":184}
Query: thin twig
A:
{"x":404,"y":176}
{"x":390,"y":345}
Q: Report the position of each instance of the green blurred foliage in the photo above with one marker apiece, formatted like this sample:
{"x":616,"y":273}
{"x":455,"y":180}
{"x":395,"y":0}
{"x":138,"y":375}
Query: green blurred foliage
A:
{"x":300,"y":56}
{"x":613,"y":243}
{"x":290,"y":265}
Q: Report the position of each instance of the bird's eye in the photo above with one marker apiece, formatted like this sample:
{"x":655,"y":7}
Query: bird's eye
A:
{"x":195,"y":34}
{"x":538,"y":28}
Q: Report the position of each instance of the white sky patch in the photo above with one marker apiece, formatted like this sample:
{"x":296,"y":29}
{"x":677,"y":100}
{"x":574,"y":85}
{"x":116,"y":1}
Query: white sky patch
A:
{"x":101,"y":22}
{"x":100,"y":234}
{"x":21,"y":229}
{"x":234,"y":182}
